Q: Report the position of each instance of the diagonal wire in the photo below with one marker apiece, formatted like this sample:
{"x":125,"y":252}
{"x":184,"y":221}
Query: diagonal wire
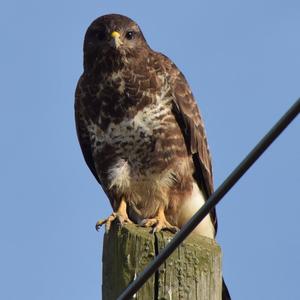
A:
{"x":213,"y":200}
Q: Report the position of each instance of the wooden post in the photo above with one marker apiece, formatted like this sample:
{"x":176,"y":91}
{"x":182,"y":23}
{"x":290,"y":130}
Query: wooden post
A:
{"x":192,"y":272}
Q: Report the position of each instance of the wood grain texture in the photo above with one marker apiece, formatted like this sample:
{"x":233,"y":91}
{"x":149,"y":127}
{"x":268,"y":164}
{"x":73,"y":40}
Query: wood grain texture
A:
{"x":192,"y":272}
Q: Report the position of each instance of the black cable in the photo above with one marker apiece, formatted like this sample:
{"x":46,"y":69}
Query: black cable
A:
{"x":213,"y":200}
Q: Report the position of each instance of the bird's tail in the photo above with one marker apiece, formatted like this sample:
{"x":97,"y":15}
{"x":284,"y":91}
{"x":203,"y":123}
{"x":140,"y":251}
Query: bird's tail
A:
{"x":225,"y":292}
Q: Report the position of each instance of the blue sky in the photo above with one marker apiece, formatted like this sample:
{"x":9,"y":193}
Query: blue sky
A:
{"x":242,"y":61}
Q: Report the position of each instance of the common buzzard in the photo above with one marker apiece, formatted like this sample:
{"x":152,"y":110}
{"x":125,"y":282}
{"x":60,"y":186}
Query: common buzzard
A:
{"x":140,"y":130}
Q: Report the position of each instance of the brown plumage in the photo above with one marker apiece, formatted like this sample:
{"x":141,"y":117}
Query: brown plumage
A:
{"x":140,"y":130}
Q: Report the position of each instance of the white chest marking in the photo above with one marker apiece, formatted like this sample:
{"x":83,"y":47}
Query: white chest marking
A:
{"x":119,"y":175}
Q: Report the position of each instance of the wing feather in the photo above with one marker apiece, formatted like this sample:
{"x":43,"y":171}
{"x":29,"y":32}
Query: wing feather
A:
{"x":84,"y":138}
{"x":82,"y":133}
{"x":190,"y":121}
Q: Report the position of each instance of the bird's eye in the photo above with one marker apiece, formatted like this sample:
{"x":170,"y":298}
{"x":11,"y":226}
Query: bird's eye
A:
{"x":101,"y":35}
{"x":130,"y":35}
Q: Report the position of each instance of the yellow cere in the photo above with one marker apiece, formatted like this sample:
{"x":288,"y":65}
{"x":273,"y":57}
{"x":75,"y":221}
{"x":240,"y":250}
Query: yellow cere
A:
{"x":115,"y":34}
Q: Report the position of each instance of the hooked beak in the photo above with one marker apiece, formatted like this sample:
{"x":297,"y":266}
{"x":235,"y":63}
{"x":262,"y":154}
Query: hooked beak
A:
{"x":115,"y":40}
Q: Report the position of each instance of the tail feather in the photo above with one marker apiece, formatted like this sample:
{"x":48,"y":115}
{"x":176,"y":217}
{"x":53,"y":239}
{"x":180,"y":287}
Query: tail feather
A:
{"x":225,"y":292}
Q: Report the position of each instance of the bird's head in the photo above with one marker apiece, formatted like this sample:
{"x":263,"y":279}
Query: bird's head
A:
{"x":112,"y":36}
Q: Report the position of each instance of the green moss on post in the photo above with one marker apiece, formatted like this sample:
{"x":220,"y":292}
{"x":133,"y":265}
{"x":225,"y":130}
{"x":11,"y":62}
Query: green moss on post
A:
{"x":192,"y":272}
{"x":126,"y":252}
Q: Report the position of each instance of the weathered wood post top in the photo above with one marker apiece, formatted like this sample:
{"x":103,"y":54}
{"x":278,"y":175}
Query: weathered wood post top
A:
{"x":192,"y":272}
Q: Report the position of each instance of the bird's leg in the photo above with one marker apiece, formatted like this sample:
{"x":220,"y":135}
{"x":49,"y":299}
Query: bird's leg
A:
{"x":120,"y":215}
{"x":159,"y":222}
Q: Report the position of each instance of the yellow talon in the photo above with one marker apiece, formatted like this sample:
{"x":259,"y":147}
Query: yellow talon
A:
{"x":159,"y":222}
{"x":120,"y":215}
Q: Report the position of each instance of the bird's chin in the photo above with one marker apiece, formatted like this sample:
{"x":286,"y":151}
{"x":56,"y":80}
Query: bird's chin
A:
{"x":120,"y":51}
{"x":115,"y":44}
{"x":110,"y":52}
{"x":115,"y":49}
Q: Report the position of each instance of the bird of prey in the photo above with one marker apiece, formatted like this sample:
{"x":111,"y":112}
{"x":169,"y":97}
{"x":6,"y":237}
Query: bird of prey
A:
{"x":140,"y":130}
